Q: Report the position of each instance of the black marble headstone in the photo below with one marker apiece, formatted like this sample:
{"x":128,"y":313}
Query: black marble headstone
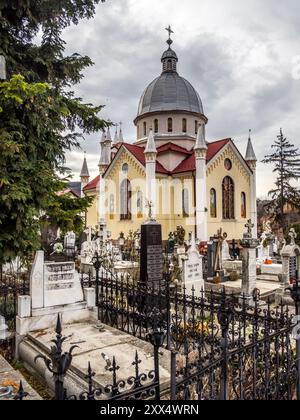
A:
{"x":211,"y":251}
{"x":151,"y":254}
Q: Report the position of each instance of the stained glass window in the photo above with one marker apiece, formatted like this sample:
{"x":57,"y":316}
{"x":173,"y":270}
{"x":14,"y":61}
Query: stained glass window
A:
{"x":228,"y":198}
{"x":139,"y":203}
{"x":228,"y":164}
{"x":125,"y":200}
{"x":185,"y":203}
{"x":243,"y":205}
{"x":111,"y":203}
{"x":213,"y":203}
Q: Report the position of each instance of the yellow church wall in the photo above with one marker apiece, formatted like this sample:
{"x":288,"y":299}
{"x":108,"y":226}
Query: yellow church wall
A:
{"x":169,"y":197}
{"x":170,"y":213}
{"x":92,"y":213}
{"x":216,"y":172}
{"x":136,"y":176}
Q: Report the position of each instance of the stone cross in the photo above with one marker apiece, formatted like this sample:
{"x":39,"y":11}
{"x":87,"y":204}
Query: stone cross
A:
{"x":249,"y":226}
{"x":293,"y":236}
{"x":150,"y":206}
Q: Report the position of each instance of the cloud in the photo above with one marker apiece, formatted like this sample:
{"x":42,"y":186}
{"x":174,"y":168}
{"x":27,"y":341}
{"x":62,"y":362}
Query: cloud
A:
{"x":238,"y":55}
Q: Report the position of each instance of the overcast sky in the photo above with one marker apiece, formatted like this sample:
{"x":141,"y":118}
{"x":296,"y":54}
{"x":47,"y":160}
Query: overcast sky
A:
{"x":240,"y":56}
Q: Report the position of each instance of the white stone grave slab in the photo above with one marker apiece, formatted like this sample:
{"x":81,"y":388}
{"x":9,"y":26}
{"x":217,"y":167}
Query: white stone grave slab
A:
{"x":193,"y":271}
{"x":54,"y":284}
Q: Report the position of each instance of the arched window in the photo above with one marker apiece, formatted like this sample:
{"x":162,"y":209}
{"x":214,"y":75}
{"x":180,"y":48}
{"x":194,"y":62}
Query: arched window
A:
{"x":185,"y":203}
{"x":213,"y":203}
{"x":170,"y":125}
{"x":169,"y":65}
{"x":184,"y":125}
{"x":228,"y":198}
{"x":125,"y":200}
{"x":196,"y":127}
{"x":145,"y":128}
{"x":156,"y":126}
{"x":139,"y":203}
{"x":111,"y":204}
{"x":243,"y":206}
{"x":125,"y":168}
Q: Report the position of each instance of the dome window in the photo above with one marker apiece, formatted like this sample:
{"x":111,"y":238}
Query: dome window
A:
{"x":196,"y":127}
{"x":145,"y":129}
{"x":156,"y":126}
{"x":170,"y":125}
{"x":184,"y":125}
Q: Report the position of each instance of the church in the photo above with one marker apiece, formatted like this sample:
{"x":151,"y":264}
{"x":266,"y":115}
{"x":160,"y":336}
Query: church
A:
{"x":185,"y":179}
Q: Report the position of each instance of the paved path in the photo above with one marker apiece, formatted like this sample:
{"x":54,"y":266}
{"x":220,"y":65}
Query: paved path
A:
{"x":10,"y":377}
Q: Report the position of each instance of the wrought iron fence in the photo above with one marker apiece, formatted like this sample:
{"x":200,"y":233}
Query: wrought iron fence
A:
{"x":139,"y":386}
{"x":226,"y":348}
{"x":12,"y":285}
{"x":255,"y":359}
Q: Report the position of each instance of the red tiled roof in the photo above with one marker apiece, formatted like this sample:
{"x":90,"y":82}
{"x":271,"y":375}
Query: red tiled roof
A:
{"x":189,"y":164}
{"x":138,"y":152}
{"x":173,"y":148}
{"x":93,"y":184}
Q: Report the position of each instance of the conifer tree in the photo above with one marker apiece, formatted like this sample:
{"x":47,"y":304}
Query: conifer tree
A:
{"x":40,"y":116}
{"x":286,"y":161}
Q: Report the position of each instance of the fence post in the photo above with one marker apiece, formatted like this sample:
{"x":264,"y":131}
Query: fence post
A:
{"x":21,"y":394}
{"x":97,"y":266}
{"x":58,"y":362}
{"x":168,"y":283}
{"x":157,"y":339}
{"x":173,"y":376}
{"x":224,"y":318}
{"x":295,"y":292}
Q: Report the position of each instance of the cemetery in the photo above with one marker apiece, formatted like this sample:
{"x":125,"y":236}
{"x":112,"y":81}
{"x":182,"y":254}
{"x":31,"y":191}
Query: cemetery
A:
{"x":163,"y":318}
{"x":155,"y":273}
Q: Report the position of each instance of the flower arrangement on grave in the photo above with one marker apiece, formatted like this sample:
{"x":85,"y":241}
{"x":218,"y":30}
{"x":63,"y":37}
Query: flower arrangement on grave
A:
{"x":179,"y":236}
{"x":192,"y":328}
{"x":58,"y":248}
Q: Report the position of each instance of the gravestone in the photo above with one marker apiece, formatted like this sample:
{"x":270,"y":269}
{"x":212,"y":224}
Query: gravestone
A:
{"x":54,"y":284}
{"x":151,"y":254}
{"x":235,"y":251}
{"x":70,"y":244}
{"x":290,"y":255}
{"x":4,"y":333}
{"x":193,"y":270}
{"x":211,"y":249}
{"x":225,"y":250}
{"x":249,"y":245}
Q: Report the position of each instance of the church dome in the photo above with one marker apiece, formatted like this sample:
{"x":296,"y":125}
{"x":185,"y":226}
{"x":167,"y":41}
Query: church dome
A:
{"x":169,"y":91}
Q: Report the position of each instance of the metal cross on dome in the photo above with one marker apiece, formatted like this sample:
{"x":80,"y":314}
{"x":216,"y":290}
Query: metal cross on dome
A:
{"x":169,"y":30}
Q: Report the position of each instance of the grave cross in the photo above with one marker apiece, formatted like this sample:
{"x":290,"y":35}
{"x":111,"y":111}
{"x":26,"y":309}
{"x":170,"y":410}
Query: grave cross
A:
{"x":150,"y":206}
{"x":154,"y":235}
{"x":249,"y":226}
{"x":293,"y":236}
